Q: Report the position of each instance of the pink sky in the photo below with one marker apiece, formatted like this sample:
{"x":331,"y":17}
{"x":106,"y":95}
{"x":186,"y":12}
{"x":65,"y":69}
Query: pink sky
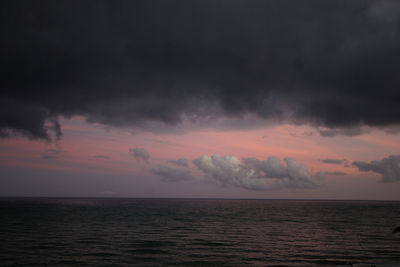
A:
{"x":75,"y":156}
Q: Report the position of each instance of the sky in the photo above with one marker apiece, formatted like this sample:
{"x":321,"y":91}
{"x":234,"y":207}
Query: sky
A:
{"x":203,"y":99}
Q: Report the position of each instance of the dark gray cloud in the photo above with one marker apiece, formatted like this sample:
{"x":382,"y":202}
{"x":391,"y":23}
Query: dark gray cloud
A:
{"x":350,"y":131}
{"x":54,"y":151}
{"x":254,"y":174}
{"x":127,"y":63}
{"x":140,"y":154}
{"x":101,"y":157}
{"x":332,"y":161}
{"x":172,"y":174}
{"x":159,"y":141}
{"x":51,"y":153}
{"x":388,"y":167}
{"x":182,"y":162}
{"x":345,"y":162}
{"x":335,"y":173}
{"x":47,"y":156}
{"x":302,"y":134}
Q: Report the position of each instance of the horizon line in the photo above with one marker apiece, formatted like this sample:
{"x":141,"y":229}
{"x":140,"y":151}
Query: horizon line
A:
{"x":191,"y":198}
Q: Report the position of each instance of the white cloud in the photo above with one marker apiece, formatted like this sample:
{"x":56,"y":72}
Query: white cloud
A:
{"x":271,"y":167}
{"x":255,"y":174}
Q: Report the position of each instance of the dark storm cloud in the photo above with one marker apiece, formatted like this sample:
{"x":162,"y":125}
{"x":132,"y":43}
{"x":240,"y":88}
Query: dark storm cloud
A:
{"x":388,"y":167}
{"x":127,"y":63}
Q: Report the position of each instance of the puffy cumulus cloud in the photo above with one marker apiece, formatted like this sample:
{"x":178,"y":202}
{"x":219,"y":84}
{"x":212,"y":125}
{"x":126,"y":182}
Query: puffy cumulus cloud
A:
{"x":255,"y":174}
{"x":172,"y":174}
{"x":388,"y":167}
{"x":272,"y":167}
{"x":182,"y":162}
{"x":228,"y":170}
{"x":140,"y":154}
{"x":136,"y":63}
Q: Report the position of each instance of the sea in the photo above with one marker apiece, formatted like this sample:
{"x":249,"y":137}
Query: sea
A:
{"x":197,"y":232}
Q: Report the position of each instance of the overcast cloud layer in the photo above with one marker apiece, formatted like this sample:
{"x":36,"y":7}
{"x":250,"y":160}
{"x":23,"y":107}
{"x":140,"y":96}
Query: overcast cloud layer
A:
{"x":127,"y":63}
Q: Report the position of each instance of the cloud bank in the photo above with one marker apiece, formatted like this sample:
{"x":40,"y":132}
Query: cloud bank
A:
{"x":172,"y":174}
{"x":388,"y":167}
{"x":254,"y":174}
{"x":135,"y":63}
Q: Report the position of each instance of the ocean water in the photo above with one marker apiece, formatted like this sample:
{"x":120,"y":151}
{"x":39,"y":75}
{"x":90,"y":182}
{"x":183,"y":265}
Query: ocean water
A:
{"x":196,"y":232}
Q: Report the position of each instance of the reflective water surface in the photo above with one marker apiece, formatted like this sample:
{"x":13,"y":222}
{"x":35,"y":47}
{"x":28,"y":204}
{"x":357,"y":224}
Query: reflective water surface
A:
{"x":188,"y":232}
